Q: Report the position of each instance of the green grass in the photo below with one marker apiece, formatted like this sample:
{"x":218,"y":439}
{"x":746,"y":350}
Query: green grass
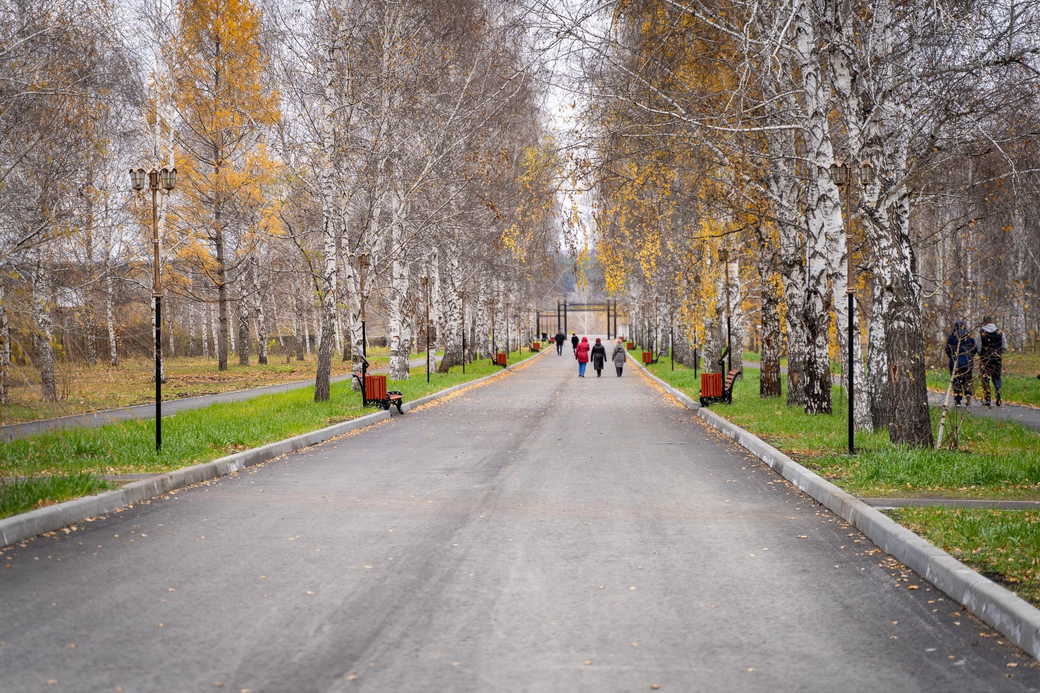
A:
{"x":22,"y":495}
{"x":1003,"y":545}
{"x":201,"y":434}
{"x":995,"y":459}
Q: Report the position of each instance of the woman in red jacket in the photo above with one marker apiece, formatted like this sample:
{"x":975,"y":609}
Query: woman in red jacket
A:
{"x":582,"y":354}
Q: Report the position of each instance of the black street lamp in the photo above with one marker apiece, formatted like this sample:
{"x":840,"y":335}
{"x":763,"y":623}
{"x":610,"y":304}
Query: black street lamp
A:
{"x":362,"y":263}
{"x":165,"y":179}
{"x":724,"y":257}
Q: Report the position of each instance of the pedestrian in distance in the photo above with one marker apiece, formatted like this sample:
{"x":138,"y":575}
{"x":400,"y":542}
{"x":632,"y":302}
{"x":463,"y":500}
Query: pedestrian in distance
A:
{"x":560,"y":338}
{"x":574,"y":342}
{"x":581,"y":353}
{"x":960,"y":361}
{"x":598,"y":355}
{"x":618,"y":357}
{"x":991,"y":363}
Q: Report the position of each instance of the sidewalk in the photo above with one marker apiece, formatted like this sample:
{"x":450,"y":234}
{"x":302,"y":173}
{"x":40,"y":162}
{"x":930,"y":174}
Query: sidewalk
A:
{"x":96,"y":419}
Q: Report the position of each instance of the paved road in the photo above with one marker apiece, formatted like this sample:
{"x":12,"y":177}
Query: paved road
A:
{"x":146,"y":411}
{"x":542,"y":533}
{"x":1027,"y":416}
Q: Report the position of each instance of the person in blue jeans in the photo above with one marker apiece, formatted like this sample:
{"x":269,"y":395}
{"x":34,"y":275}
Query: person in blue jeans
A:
{"x":960,"y":359}
{"x":581,"y":352}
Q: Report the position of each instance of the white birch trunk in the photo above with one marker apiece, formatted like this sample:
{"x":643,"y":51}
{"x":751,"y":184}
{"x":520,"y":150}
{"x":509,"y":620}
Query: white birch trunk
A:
{"x":110,"y":320}
{"x":44,"y":330}
{"x":5,"y":345}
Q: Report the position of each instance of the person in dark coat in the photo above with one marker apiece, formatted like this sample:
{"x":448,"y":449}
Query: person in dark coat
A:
{"x":618,"y":357}
{"x":581,"y":353}
{"x":598,"y":356}
{"x":991,"y":364}
{"x":560,"y":338}
{"x":574,"y":342}
{"x":960,"y":359}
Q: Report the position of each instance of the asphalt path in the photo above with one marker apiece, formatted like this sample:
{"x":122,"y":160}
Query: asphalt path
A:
{"x":539,"y":533}
{"x":172,"y":406}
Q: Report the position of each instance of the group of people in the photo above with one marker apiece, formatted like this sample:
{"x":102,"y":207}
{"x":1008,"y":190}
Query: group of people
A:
{"x":596,"y":353}
{"x":961,"y":349}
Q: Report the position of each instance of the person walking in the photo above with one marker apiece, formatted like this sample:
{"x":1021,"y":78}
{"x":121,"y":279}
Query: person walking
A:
{"x":581,"y":353}
{"x":560,"y":338}
{"x":960,"y":359}
{"x":991,"y":365}
{"x":574,"y":342}
{"x":598,"y":355}
{"x":618,"y":357}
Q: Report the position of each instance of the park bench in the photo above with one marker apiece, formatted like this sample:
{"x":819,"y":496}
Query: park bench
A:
{"x":713,"y":389}
{"x":501,"y":359}
{"x":373,"y":390}
{"x":648,"y":358}
{"x":536,"y":346}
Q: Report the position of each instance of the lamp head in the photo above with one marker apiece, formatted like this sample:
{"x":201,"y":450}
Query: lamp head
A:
{"x":840,"y":173}
{"x":168,"y":179}
{"x":137,"y":179}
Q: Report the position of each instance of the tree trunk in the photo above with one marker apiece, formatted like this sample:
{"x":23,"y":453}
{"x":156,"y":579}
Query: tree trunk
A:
{"x":5,"y":345}
{"x":43,"y":332}
{"x":110,"y":321}
{"x":821,"y":203}
{"x":224,"y":326}
{"x":877,"y":359}
{"x":243,"y":332}
{"x":769,"y":297}
{"x":327,"y":294}
{"x":261,"y":323}
{"x":449,"y":326}
{"x":298,"y":324}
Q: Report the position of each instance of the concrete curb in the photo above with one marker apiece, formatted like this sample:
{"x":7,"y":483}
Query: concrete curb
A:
{"x":54,"y":517}
{"x":999,"y":607}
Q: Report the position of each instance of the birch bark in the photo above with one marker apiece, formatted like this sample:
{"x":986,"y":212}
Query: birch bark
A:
{"x":44,"y":329}
{"x":5,"y":344}
{"x":821,"y":213}
{"x":110,"y":319}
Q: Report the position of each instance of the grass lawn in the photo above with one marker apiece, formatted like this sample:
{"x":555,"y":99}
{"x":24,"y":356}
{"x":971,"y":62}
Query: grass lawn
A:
{"x":1003,"y":545}
{"x":77,"y":456}
{"x":84,"y":388}
{"x":1019,"y":384}
{"x":998,"y":460}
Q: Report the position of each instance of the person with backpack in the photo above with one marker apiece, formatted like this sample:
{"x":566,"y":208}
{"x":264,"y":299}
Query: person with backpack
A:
{"x":991,"y":349}
{"x":960,"y":359}
{"x":618,"y":357}
{"x":598,"y":355}
{"x":581,"y":353}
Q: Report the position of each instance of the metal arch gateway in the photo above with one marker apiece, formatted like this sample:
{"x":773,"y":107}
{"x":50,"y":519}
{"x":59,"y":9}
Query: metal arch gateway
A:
{"x":545,"y":327}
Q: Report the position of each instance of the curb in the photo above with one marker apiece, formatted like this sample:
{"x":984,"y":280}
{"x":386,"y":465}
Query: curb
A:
{"x":997,"y":606}
{"x":54,"y":517}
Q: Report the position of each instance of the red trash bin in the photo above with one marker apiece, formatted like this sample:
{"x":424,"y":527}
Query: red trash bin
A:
{"x":711,"y":384}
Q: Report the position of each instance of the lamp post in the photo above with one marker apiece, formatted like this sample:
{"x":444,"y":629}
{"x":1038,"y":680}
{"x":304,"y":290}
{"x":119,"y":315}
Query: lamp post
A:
{"x":165,"y":179}
{"x":426,"y":290}
{"x":842,"y":176}
{"x":362,"y":262}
